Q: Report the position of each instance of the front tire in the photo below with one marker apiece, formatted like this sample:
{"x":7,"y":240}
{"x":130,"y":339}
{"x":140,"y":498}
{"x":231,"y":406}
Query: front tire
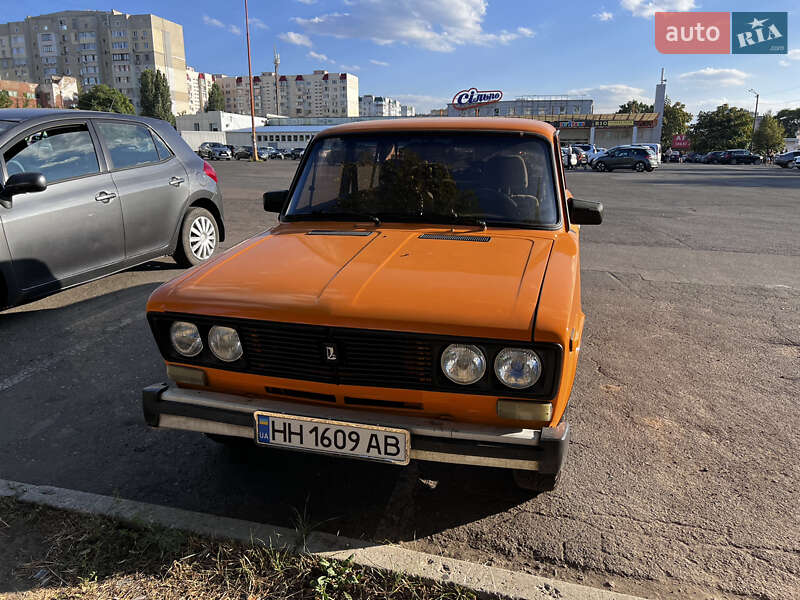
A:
{"x":601,"y":166}
{"x":533,"y":481}
{"x":198,"y":239}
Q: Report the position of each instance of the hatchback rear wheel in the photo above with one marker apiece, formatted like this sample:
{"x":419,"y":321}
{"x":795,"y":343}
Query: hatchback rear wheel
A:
{"x":199,"y":238}
{"x":639,"y":166}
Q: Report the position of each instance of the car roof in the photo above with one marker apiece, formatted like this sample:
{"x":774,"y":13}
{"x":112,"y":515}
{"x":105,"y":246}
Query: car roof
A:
{"x":482,"y":124}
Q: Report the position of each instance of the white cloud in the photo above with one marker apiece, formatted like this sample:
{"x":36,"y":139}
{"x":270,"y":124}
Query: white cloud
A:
{"x":319,"y":56}
{"x":380,"y":63}
{"x":298,"y":39}
{"x":349,"y":68}
{"x":307,"y":1}
{"x":647,"y":8}
{"x":257,"y":23}
{"x":784,"y":63}
{"x":794,"y":54}
{"x":608,"y":97}
{"x":440,"y":26}
{"x":715,"y":77}
{"x":217,"y":23}
{"x":604,"y":16}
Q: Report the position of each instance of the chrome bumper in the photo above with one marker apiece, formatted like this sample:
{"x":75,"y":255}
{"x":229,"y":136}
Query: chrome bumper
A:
{"x":166,"y":405}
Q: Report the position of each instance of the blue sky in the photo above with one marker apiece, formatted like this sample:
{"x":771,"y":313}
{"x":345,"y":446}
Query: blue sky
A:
{"x":423,"y":51}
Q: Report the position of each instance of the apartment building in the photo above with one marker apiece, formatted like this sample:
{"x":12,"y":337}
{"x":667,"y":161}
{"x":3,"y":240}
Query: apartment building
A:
{"x":96,"y":47}
{"x":381,"y":106}
{"x":319,"y":94}
{"x":198,"y":86}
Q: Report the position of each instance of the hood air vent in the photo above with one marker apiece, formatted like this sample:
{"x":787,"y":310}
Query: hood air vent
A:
{"x":455,"y":237}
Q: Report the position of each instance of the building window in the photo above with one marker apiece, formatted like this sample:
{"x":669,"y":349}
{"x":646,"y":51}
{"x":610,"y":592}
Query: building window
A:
{"x":119,"y":45}
{"x":17,"y":39}
{"x":50,"y":71}
{"x":46,"y":37}
{"x":17,"y":51}
{"x":84,"y":36}
{"x":117,"y":33}
{"x":120,"y":57}
{"x":48,"y":49}
{"x":92,"y":46}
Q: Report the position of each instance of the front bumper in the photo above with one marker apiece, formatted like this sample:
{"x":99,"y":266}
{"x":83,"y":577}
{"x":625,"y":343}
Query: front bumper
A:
{"x":166,"y":405}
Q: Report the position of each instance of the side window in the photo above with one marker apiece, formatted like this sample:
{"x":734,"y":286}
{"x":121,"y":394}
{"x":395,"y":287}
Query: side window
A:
{"x":163,"y":150}
{"x":128,"y":144}
{"x":58,"y":153}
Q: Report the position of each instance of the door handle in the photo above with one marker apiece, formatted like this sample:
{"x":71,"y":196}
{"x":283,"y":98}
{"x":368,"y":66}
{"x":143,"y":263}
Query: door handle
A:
{"x":105,"y":197}
{"x":176,"y":181}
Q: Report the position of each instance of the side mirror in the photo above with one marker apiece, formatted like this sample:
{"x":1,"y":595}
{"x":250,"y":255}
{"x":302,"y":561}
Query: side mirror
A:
{"x":22,"y":183}
{"x":274,"y":201}
{"x":585,"y":212}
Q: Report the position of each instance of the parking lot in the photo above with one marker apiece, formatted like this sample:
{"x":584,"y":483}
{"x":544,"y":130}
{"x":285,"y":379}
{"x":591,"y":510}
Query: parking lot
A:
{"x":682,"y":479}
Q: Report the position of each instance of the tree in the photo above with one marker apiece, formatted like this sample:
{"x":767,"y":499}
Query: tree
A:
{"x":725,"y":127}
{"x":789,"y":119}
{"x":105,"y":98}
{"x":676,"y":120}
{"x":154,"y":96}
{"x":5,"y":99}
{"x":634,"y":106}
{"x":216,"y":101}
{"x":769,"y":136}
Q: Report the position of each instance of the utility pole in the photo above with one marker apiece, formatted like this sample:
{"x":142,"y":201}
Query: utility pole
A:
{"x":254,"y":155}
{"x":755,"y":118}
{"x":277,"y":62}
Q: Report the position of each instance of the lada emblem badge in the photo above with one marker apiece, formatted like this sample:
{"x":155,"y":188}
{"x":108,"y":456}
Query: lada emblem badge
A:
{"x":330,"y":353}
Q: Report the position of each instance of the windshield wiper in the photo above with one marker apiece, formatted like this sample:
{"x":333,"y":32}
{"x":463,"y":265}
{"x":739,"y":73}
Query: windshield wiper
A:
{"x":337,"y":216}
{"x":467,"y":220}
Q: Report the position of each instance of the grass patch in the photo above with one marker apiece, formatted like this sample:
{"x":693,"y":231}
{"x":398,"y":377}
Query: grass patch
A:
{"x":50,"y":553}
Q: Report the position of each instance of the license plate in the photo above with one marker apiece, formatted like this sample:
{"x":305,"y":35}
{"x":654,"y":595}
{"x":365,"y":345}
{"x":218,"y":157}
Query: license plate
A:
{"x":371,"y":442}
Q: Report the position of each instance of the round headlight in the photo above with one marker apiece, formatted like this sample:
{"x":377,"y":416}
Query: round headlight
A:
{"x":224,"y":343}
{"x":186,"y":338}
{"x":518,"y":368}
{"x":463,"y":364}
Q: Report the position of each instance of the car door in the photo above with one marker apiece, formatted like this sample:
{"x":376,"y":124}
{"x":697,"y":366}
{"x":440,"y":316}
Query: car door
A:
{"x":622,"y":158}
{"x":73,"y":229}
{"x":152,"y":185}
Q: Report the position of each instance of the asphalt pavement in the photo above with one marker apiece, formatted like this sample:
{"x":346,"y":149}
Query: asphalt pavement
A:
{"x":682,"y":477}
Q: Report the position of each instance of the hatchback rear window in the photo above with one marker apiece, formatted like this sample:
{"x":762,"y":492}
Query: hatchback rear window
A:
{"x":128,"y":144}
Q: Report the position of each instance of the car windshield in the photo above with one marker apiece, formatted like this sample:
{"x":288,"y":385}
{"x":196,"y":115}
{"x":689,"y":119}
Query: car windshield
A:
{"x":499,"y":179}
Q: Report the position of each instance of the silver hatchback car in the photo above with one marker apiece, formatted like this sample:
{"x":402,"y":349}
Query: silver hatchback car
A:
{"x":86,"y":194}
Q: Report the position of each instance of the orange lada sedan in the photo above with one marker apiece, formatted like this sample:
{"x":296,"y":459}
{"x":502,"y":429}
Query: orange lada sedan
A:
{"x":419,"y":299}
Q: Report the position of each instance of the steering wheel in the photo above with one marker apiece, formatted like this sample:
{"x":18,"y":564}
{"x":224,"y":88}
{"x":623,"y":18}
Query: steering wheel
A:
{"x":16,"y":165}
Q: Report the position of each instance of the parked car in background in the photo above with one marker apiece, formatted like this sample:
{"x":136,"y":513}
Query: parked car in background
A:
{"x":694,"y":157}
{"x":296,"y":153}
{"x":591,"y":156}
{"x":230,"y":148}
{"x":797,"y":163}
{"x":630,"y":157}
{"x":246,"y":152}
{"x":656,"y":148}
{"x":214,"y":151}
{"x":676,"y":157}
{"x":713,"y":158}
{"x":336,"y":332}
{"x":740,"y":157}
{"x":275,"y":153}
{"x":787,"y":159}
{"x":587,"y":148}
{"x":88,"y":194}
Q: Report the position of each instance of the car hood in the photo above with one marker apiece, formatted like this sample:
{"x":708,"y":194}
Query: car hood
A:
{"x":394,"y":279}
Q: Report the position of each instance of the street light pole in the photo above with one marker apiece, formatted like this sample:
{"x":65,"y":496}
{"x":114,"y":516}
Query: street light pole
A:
{"x":755,"y":118}
{"x":254,"y":155}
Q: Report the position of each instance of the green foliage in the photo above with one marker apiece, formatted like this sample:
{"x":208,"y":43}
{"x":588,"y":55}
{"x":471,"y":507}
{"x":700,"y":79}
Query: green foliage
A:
{"x":720,"y":129}
{"x":789,"y":119}
{"x":216,"y":101}
{"x":634,"y":106}
{"x":5,"y":99}
{"x":104,"y":98}
{"x":154,"y":96}
{"x":676,"y":121}
{"x":769,"y":136}
{"x":337,"y":580}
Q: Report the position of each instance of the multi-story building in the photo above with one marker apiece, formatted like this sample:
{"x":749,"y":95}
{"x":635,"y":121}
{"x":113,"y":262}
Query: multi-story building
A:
{"x":378,"y":106}
{"x":319,"y":94}
{"x":21,"y":93}
{"x":198,"y":86}
{"x":96,"y":47}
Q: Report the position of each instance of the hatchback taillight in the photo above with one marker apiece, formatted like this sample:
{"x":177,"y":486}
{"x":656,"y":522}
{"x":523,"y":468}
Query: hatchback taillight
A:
{"x":209,"y":170}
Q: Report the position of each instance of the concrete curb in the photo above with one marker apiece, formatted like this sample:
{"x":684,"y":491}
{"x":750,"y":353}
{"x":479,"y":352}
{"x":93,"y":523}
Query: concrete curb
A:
{"x":482,"y":579}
